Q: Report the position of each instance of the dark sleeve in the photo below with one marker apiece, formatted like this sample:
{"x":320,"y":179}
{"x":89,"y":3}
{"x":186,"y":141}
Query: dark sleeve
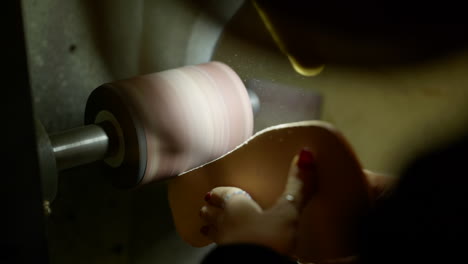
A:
{"x":245,"y":254}
{"x":425,"y":219}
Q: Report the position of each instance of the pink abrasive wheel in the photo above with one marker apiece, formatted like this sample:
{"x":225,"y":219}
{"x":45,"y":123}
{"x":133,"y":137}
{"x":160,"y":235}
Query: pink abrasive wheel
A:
{"x":169,"y":122}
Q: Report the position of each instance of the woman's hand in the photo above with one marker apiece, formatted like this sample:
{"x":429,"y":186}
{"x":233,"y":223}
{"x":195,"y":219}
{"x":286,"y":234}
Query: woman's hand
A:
{"x":379,"y":184}
{"x":231,"y":215}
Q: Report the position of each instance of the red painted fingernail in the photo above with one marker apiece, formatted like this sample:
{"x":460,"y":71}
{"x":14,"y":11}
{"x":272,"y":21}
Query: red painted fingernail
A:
{"x":208,"y":196}
{"x":306,"y":160}
{"x":204,"y":230}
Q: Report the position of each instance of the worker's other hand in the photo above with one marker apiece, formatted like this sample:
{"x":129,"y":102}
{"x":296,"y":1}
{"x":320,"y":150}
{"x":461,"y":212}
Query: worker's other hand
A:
{"x":232,"y":216}
{"x":379,"y":184}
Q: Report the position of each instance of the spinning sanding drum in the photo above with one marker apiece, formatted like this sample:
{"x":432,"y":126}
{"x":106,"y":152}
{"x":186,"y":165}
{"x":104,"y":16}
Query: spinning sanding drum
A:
{"x":155,"y":126}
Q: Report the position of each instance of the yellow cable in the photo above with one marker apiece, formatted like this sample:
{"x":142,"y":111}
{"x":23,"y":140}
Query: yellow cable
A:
{"x":305,"y":71}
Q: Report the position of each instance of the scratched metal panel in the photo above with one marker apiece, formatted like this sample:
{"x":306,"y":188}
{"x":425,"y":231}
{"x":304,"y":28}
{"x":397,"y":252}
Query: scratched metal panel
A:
{"x":73,"y":47}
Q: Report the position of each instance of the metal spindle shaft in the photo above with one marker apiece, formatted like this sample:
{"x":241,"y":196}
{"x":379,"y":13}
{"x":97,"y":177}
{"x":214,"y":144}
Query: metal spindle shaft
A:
{"x":80,"y":146}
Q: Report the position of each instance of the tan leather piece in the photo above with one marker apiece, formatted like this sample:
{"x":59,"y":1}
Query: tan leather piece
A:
{"x":328,"y":224}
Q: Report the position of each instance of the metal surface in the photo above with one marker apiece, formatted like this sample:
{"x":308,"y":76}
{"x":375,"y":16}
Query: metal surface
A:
{"x":80,"y":146}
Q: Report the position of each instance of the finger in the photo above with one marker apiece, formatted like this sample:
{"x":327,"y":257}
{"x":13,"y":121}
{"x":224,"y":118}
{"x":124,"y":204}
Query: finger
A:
{"x":211,"y":214}
{"x":379,"y":183}
{"x":220,"y":195}
{"x":300,"y":184}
